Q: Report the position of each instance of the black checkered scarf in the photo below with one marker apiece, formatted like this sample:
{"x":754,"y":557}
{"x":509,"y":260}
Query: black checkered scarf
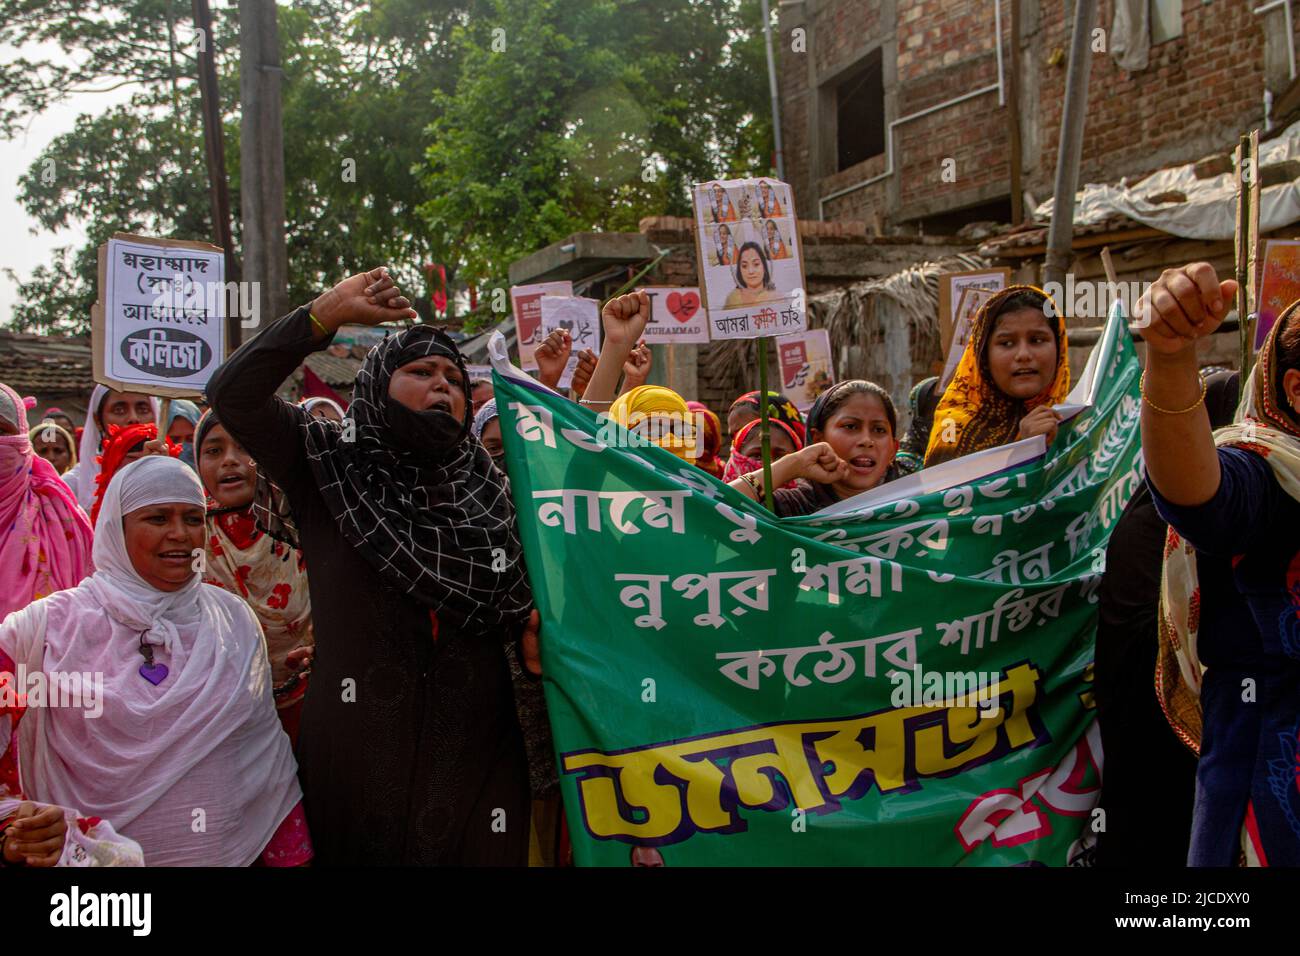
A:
{"x":419,"y":498}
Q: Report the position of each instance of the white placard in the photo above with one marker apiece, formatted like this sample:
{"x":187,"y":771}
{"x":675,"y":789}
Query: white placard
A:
{"x":749,"y":258}
{"x":952,"y":285}
{"x":972,"y":300}
{"x":806,"y":367}
{"x":581,"y":317}
{"x":677,"y":316}
{"x":524,"y":300}
{"x":164,"y":315}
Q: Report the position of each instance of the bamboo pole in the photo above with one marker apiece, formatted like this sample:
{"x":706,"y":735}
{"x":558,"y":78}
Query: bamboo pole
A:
{"x":764,"y":426}
{"x":1244,"y":243}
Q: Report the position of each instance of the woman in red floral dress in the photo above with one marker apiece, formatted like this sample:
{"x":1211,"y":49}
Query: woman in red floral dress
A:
{"x":269,"y":574}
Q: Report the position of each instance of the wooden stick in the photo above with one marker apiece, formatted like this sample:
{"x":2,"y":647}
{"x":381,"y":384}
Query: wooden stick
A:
{"x":1241,"y":238}
{"x":1251,"y":315}
{"x":764,"y":426}
{"x":1108,"y":266}
{"x":164,"y":413}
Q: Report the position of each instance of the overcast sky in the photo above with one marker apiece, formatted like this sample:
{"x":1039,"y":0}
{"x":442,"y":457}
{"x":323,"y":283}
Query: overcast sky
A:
{"x":23,"y":244}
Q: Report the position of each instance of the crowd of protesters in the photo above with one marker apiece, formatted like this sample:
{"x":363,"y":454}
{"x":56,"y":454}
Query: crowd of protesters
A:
{"x":217,"y":566}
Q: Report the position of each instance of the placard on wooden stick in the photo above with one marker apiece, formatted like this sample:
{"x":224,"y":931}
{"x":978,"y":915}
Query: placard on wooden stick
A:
{"x":676,"y":316}
{"x":951,"y":287}
{"x":749,"y":256}
{"x":525,"y":302}
{"x":581,"y":316}
{"x":158,"y":327}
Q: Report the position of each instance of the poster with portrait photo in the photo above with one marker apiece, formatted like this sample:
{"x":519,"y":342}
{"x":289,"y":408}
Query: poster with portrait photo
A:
{"x":761,"y":292}
{"x":771,"y":199}
{"x":774,"y":234}
{"x":722,"y":245}
{"x":721,"y":202}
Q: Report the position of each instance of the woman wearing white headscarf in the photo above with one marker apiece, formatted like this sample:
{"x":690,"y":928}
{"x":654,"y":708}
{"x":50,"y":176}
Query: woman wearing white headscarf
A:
{"x":107,"y":407}
{"x":187,"y":757}
{"x":320,"y":407}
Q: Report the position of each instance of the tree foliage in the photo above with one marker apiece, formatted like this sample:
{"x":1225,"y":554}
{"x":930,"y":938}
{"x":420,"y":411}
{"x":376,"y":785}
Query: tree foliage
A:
{"x":574,"y":115}
{"x":408,"y":138}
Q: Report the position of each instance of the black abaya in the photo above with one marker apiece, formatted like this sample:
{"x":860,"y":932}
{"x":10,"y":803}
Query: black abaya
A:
{"x":409,"y":749}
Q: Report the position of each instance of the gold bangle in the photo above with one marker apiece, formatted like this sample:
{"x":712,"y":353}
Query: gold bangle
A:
{"x":753,"y":483}
{"x":317,"y":322}
{"x":1142,"y":389}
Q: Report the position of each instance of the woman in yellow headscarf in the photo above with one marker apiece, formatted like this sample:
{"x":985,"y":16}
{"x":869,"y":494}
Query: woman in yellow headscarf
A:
{"x":660,"y":416}
{"x":1014,"y":369}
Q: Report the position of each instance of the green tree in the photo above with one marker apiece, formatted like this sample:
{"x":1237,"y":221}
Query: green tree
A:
{"x":358,"y":86}
{"x":408,"y":138}
{"x":137,"y":167}
{"x":574,"y":115}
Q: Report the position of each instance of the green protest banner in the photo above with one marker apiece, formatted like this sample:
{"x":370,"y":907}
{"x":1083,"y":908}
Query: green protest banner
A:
{"x":906,"y":680}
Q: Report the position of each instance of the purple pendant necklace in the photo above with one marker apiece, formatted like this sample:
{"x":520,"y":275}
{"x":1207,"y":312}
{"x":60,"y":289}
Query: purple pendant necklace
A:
{"x":154,"y":673}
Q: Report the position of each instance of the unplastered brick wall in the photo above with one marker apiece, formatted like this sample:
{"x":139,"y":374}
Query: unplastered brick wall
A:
{"x":940,"y":33}
{"x":957,"y":156}
{"x":945,"y":48}
{"x":825,"y":36}
{"x":1199,"y":92}
{"x":842,"y":28}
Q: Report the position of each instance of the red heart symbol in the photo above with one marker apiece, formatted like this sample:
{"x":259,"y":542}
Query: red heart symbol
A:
{"x":683,"y":305}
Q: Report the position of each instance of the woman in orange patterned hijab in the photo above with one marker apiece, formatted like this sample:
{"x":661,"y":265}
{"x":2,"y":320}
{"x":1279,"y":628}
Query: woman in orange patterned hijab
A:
{"x":1014,"y":369}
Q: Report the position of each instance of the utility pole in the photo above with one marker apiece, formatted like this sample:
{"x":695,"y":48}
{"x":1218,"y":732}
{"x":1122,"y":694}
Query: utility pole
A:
{"x":1013,"y":117}
{"x":215,"y":157}
{"x":1061,"y":235}
{"x":776,"y":96}
{"x":261,"y":157}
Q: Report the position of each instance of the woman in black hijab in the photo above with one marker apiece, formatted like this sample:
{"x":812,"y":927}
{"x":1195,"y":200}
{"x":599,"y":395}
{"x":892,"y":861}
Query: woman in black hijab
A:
{"x":409,"y":749}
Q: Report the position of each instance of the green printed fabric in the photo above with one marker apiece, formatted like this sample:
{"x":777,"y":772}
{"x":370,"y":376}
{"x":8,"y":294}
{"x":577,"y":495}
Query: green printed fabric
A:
{"x":906,"y":684}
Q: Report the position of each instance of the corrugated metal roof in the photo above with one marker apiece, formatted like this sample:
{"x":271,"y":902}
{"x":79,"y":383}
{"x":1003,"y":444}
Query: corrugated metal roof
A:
{"x":1028,"y":238}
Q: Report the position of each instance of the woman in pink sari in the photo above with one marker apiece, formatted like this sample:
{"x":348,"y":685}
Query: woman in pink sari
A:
{"x":44,"y":535}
